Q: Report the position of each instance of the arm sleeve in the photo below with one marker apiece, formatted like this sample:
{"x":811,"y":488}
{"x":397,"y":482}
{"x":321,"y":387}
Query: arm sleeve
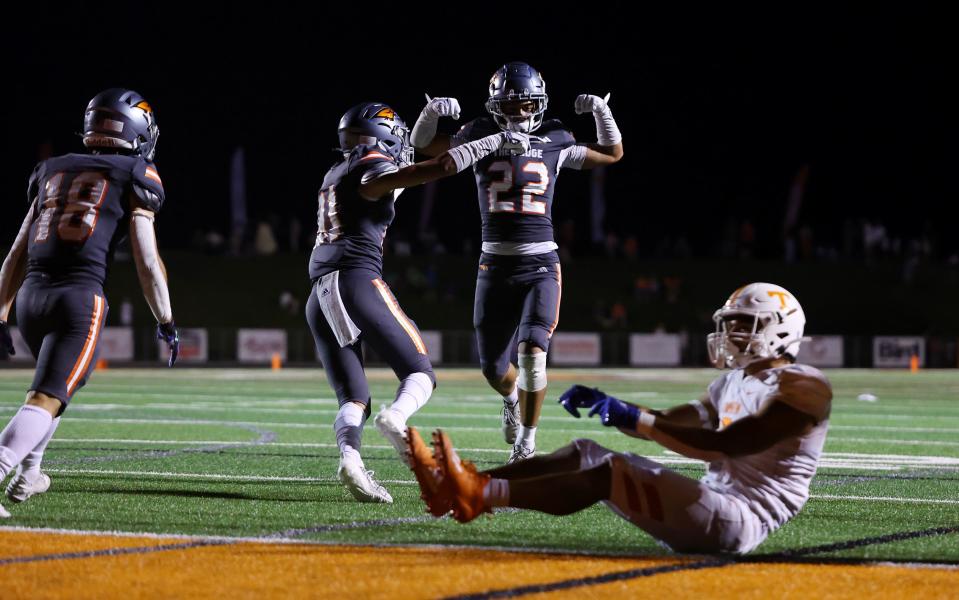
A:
{"x":572,"y":157}
{"x":150,"y":271}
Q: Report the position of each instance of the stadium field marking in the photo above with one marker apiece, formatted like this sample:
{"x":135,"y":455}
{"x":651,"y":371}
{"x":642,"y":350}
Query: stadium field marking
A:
{"x":828,"y":459}
{"x":632,"y":574}
{"x":206,"y":541}
{"x":409,"y":482}
{"x":889,"y":441}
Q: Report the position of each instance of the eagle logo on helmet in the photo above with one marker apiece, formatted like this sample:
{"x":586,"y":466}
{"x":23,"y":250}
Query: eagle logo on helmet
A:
{"x":386,"y":113}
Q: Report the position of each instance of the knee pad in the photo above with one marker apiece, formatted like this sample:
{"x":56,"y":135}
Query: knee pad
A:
{"x":532,"y":372}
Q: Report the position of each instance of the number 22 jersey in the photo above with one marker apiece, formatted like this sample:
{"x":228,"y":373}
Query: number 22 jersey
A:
{"x":516,"y":192}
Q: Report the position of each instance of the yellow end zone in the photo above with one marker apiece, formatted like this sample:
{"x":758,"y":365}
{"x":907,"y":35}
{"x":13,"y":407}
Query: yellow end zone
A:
{"x":294,"y":570}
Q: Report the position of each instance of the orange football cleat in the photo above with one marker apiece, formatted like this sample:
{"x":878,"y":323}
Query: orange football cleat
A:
{"x":460,"y":480}
{"x":427,"y":474}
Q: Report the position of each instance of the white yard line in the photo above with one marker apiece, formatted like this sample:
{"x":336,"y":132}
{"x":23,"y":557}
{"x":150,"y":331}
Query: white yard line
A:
{"x":330,"y":480}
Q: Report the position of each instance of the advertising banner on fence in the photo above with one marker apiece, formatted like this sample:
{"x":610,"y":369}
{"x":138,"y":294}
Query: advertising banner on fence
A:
{"x":434,"y":345}
{"x":193,"y":347}
{"x":259,"y":345}
{"x":654,"y":350}
{"x":895,"y":351}
{"x":575,"y":349}
{"x":822,"y":351}
{"x":116,"y":343}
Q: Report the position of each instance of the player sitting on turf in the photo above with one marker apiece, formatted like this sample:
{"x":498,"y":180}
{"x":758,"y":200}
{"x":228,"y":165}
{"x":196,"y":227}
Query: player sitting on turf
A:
{"x":761,"y":427}
{"x":81,"y":205}
{"x":350,"y":302}
{"x":519,"y":282}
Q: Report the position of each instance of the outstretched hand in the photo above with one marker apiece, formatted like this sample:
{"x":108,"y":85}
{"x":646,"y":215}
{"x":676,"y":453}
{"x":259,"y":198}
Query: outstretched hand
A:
{"x":580,"y":396}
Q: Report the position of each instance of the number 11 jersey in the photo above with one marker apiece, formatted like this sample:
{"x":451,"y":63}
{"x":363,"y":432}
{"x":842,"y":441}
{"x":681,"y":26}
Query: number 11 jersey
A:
{"x":82,"y":209}
{"x":516,"y":192}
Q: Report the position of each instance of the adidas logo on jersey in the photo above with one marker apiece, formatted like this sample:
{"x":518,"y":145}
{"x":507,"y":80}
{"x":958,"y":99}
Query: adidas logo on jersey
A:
{"x":542,"y":270}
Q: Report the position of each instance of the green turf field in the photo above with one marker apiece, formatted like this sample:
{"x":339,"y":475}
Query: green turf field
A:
{"x":251,"y":453}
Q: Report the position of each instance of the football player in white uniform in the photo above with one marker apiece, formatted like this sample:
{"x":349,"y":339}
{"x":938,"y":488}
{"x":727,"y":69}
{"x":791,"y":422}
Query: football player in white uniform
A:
{"x":760,"y":427}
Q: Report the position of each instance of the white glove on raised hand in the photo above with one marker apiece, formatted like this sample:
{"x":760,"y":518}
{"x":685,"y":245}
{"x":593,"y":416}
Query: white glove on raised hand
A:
{"x":442,"y":107}
{"x":589,"y":103}
{"x":607,"y":132}
{"x":515,"y":142}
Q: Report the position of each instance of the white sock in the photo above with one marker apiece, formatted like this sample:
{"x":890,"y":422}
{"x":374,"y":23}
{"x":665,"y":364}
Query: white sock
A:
{"x":21,"y":435}
{"x":512,"y":397}
{"x":31,"y":462}
{"x":348,"y":426}
{"x":526,"y":437}
{"x":412,"y":394}
{"x":496,"y":492}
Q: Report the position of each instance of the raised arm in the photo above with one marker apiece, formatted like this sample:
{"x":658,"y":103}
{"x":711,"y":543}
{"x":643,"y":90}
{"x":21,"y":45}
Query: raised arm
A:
{"x":608,"y":148}
{"x":424,"y":137}
{"x":449,"y":163}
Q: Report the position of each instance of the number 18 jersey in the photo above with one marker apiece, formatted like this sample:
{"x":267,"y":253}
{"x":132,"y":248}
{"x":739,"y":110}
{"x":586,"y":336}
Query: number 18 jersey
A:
{"x":82,"y":210}
{"x":516,"y":192}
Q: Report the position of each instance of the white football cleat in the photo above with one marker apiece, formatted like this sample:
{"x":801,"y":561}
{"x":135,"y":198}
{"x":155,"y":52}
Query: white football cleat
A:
{"x":4,"y":514}
{"x":511,"y":420}
{"x":20,"y":488}
{"x":359,"y":481}
{"x":393,"y":427}
{"x":520,"y":453}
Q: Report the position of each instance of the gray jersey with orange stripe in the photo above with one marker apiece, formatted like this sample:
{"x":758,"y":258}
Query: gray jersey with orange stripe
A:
{"x":82,"y":209}
{"x":350,"y":227}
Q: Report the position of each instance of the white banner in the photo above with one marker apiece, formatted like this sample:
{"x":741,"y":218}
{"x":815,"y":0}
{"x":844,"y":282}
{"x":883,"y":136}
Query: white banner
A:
{"x":259,"y":345}
{"x":822,"y":351}
{"x":20,"y":347}
{"x":116,"y":343}
{"x":654,"y":350}
{"x":434,"y":345}
{"x":575,"y":349}
{"x":193,"y":346}
{"x":889,"y":351}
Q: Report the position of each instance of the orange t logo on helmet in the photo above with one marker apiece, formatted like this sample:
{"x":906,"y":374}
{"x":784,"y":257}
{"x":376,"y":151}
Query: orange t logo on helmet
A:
{"x":781,"y":296}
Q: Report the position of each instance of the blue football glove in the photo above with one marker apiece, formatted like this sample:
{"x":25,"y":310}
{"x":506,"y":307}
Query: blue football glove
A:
{"x":613,"y":412}
{"x":580,"y":396}
{"x":168,"y":333}
{"x":6,"y":340}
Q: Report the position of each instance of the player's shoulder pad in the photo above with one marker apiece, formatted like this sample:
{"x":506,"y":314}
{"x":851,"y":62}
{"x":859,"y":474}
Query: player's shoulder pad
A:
{"x":147,"y":185}
{"x":806,"y":389}
{"x":556,"y":132}
{"x":477,"y":128}
{"x":366,"y":155}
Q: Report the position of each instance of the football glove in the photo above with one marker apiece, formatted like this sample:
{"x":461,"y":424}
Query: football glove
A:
{"x":588,"y":103}
{"x":442,"y":107}
{"x":580,"y":396}
{"x":613,"y":412}
{"x":168,"y":333}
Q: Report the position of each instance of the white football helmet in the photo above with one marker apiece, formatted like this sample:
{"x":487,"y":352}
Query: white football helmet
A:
{"x":777,"y":326}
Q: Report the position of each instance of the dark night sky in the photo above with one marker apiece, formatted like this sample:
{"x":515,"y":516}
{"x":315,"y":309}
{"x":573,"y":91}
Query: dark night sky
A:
{"x":718,"y":110}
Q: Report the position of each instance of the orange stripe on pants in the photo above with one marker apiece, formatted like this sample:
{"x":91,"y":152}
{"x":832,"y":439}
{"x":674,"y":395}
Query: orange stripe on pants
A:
{"x":400,"y":316}
{"x":86,"y":354}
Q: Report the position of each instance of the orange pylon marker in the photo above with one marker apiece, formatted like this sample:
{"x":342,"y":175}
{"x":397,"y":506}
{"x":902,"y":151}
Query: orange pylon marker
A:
{"x":101,"y":365}
{"x":276,"y":363}
{"x":914,"y":363}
